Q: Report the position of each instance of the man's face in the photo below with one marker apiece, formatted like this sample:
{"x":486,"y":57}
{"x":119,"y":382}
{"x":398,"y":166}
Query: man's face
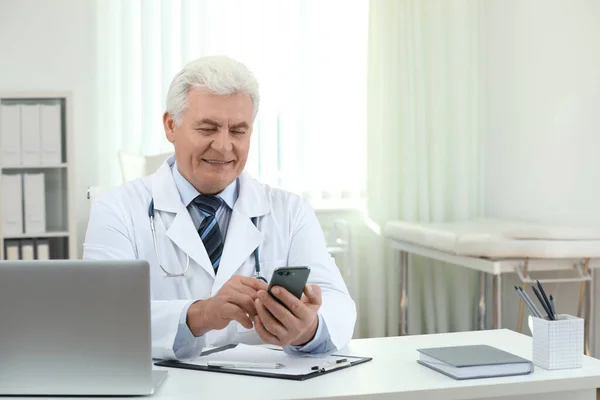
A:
{"x":212,"y":140}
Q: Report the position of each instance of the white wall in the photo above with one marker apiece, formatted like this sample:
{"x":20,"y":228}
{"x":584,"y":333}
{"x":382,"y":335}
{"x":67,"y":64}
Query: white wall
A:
{"x":542,"y":128}
{"x":49,"y":45}
{"x":542,"y":160}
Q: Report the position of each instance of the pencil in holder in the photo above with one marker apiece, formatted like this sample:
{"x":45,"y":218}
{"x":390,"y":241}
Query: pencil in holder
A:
{"x":558,"y":344}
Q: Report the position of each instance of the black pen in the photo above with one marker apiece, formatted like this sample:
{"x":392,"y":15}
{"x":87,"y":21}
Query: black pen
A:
{"x":546,"y":299}
{"x":553,"y":305}
{"x":542,"y":302}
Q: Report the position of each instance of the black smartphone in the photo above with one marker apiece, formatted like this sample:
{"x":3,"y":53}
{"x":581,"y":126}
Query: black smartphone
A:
{"x":293,"y":279}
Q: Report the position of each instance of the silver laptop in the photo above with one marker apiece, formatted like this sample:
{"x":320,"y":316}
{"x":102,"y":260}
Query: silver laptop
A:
{"x":76,"y":327}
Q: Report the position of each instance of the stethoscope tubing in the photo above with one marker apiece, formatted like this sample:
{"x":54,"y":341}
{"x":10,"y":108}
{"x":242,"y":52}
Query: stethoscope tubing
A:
{"x":168,"y":274}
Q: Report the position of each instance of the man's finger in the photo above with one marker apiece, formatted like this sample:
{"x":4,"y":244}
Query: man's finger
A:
{"x":295,"y":306}
{"x":238,"y":286}
{"x":272,"y":326}
{"x":243,"y":301}
{"x":313,"y":294}
{"x":281,"y":314}
{"x":253,"y":283}
{"x":235,"y":313}
{"x":263,"y":334}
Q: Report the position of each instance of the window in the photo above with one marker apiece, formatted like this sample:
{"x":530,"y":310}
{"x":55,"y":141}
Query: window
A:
{"x":309,"y":56}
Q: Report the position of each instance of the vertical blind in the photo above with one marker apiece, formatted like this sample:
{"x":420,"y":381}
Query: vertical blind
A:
{"x":310,"y":59}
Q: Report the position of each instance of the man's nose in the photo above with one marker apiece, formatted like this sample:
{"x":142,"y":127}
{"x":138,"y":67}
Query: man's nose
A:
{"x":222,"y":141}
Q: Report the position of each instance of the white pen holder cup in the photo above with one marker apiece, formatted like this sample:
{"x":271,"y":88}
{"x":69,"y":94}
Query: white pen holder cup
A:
{"x":558,"y":344}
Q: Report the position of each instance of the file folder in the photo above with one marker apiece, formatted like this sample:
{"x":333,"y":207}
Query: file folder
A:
{"x":27,"y":250}
{"x":42,"y":249}
{"x":51,"y":132}
{"x":12,"y":204}
{"x":31,"y":139}
{"x":293,"y":367}
{"x":10,"y":135}
{"x":12,"y":251}
{"x":35,"y":203}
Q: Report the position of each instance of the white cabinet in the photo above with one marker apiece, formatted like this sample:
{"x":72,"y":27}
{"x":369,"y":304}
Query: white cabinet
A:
{"x":36,"y":176}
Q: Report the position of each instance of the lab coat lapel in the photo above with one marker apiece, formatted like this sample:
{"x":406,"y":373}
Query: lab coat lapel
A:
{"x":181,"y":231}
{"x":242,"y":236}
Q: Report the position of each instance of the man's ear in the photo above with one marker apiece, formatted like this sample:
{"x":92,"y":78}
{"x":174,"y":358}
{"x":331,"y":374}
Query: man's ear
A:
{"x":169,"y":125}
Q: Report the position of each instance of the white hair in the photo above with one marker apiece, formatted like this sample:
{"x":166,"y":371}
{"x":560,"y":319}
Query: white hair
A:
{"x":220,"y":75}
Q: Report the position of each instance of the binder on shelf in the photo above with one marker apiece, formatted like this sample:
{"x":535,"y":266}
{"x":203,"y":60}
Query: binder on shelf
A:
{"x":35,"y":202}
{"x":42,"y":249}
{"x":12,"y":204}
{"x":31,"y":139}
{"x":11,"y":251}
{"x":27,"y":250}
{"x":10,"y":135}
{"x":51,"y":129}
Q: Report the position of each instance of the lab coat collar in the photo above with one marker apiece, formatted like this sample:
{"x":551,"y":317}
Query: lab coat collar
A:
{"x":242,"y":236}
{"x":164,"y":190}
{"x":182,"y":231}
{"x":252,"y":200}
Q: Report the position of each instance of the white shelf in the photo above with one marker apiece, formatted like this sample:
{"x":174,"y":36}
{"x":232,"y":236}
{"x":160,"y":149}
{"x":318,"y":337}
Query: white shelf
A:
{"x":19,"y":167}
{"x":59,"y":178}
{"x":37,"y":235}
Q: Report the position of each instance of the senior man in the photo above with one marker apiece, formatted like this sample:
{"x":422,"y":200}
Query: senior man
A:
{"x":208,"y":229}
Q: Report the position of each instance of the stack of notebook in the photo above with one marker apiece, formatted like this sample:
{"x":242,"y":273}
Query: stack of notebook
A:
{"x":475,"y":361}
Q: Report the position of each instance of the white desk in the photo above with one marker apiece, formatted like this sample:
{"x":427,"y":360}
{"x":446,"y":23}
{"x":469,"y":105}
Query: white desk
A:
{"x":395,"y":374}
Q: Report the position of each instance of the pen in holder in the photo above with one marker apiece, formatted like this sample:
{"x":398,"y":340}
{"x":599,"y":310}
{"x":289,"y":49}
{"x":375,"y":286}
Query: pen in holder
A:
{"x":558,"y":344}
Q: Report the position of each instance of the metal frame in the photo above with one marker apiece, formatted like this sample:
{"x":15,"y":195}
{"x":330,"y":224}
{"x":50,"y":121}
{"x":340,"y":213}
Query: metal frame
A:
{"x":496,"y":267}
{"x":404,"y":293}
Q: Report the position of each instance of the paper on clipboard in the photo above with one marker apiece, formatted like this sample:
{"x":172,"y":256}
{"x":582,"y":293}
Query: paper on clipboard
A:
{"x":256,"y":354}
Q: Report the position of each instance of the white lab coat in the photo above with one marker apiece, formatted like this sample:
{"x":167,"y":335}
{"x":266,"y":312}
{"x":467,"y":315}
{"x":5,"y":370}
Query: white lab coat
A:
{"x":288,"y":234}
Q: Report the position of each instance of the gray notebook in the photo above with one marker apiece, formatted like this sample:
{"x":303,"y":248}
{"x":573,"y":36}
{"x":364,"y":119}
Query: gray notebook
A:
{"x":474,"y":361}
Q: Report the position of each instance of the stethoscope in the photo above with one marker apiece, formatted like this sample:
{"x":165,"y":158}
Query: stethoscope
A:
{"x":168,"y":274}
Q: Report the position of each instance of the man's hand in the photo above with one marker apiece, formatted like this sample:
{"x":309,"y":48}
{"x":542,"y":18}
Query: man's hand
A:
{"x":234,"y":302}
{"x":279,"y":326}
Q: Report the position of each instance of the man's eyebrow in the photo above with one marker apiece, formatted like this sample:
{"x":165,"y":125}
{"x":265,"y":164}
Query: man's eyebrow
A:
{"x":207,"y":121}
{"x":239,"y":125}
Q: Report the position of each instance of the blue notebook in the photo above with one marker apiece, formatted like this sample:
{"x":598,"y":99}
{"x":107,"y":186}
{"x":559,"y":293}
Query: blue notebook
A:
{"x":473,"y":361}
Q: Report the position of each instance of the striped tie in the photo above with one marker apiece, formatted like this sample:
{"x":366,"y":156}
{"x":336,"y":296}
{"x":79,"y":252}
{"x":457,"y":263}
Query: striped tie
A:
{"x":209,"y":228}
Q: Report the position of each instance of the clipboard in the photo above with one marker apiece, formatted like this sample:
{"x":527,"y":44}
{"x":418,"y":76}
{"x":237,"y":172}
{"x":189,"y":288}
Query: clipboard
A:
{"x":352,"y":361}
